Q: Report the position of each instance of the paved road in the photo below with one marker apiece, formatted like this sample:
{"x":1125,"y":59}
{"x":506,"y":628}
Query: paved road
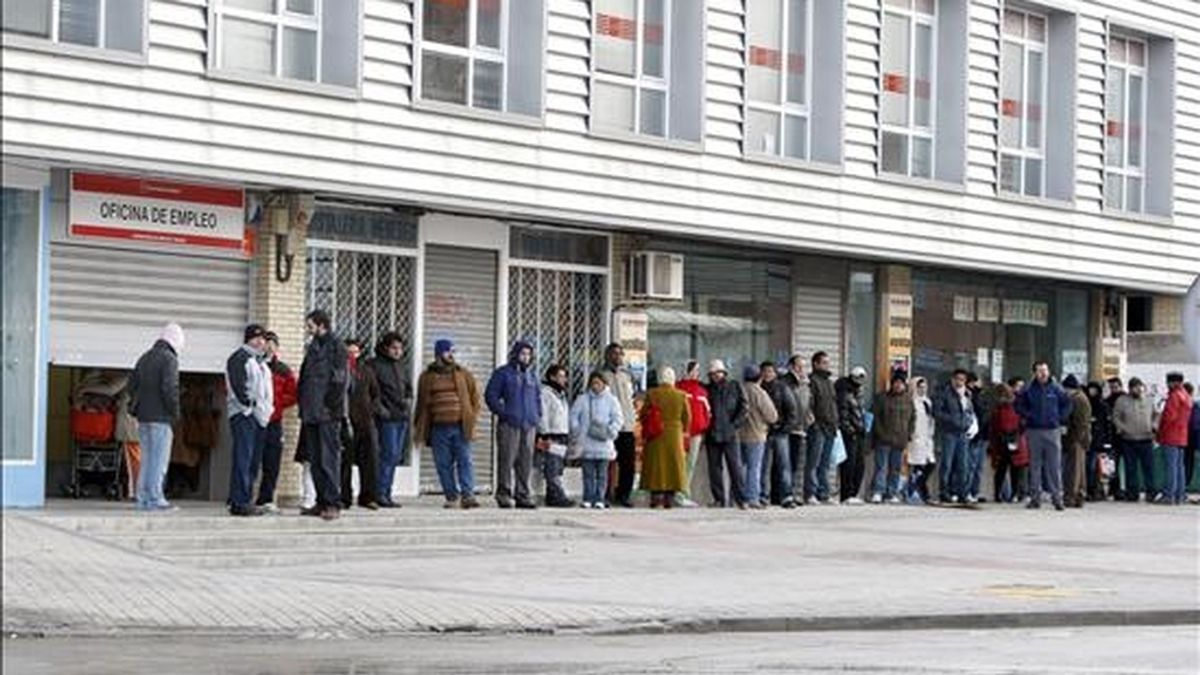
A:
{"x":1091,"y":651}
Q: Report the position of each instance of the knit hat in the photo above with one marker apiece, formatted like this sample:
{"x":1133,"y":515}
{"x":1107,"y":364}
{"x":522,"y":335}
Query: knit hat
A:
{"x":252,"y":331}
{"x":1070,"y":382}
{"x":666,"y":376}
{"x":751,"y":373}
{"x":442,"y":346}
{"x":858,"y":373}
{"x":172,"y":334}
{"x":717,"y":366}
{"x":899,"y":375}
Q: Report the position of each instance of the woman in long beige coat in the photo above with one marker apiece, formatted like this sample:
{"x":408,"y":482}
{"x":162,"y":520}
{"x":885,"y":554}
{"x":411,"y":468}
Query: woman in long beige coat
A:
{"x":664,"y":464}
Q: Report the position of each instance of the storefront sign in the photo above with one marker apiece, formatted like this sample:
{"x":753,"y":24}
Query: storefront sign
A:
{"x":1075,"y":362}
{"x":899,"y":322}
{"x":1026,"y":312}
{"x":987,"y":310}
{"x":997,"y":365}
{"x":1112,"y":359}
{"x":964,"y":308}
{"x":123,"y":208}
{"x":631,"y":329}
{"x":981,"y":357}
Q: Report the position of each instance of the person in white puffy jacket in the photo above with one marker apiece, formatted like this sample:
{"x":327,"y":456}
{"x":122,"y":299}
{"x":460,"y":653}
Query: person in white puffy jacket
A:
{"x":921,"y":459}
{"x":553,"y":434}
{"x":596,"y":420}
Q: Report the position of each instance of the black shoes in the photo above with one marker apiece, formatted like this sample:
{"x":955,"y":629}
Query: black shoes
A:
{"x":526,"y":505}
{"x":1034,"y":504}
{"x":245,"y":511}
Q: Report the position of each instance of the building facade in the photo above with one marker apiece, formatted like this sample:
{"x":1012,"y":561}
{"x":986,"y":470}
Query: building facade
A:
{"x":926,"y":184}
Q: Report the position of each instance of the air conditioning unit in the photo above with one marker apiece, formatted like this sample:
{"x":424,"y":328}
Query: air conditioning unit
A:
{"x":655,"y":275}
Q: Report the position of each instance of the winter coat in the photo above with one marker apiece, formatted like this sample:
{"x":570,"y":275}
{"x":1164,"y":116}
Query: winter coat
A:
{"x":324,"y":381}
{"x":605,"y":409}
{"x":556,"y":414}
{"x":620,"y":384}
{"x":920,"y":448}
{"x":728,"y":402}
{"x":1176,"y":414}
{"x":1079,"y":422}
{"x":1133,"y":418}
{"x":699,"y":412}
{"x":851,"y":400}
{"x":468,"y":400}
{"x":395,"y":389}
{"x":513,"y":393}
{"x":250,"y":391}
{"x":948,"y":410}
{"x":1101,"y":423}
{"x":154,"y":386}
{"x":802,"y":393}
{"x":895,"y":419}
{"x":982,"y":402}
{"x":760,"y":414}
{"x":824,"y":402}
{"x":664,"y":468}
{"x":1043,"y":406}
{"x":788,"y":418}
{"x":1194,"y":427}
{"x":1005,"y":425}
{"x":283,"y":386}
{"x":365,"y":400}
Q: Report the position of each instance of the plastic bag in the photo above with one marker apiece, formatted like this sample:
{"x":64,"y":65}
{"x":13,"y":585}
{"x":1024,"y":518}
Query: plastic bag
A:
{"x":838,"y":454}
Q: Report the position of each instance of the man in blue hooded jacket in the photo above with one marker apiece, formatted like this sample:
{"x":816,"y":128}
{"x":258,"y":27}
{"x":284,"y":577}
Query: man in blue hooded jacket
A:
{"x":514,"y":395}
{"x":1044,"y":407}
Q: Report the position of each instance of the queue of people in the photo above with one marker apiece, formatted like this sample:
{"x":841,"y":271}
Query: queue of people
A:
{"x":770,"y":438}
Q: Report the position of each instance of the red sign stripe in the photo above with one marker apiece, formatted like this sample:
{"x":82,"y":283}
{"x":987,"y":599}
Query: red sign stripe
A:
{"x":103,"y":232}
{"x":158,"y":189}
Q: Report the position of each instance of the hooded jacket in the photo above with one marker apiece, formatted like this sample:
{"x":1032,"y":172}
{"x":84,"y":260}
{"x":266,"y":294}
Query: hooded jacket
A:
{"x":760,"y":414}
{"x":154,"y":387}
{"x":248,"y":385}
{"x":824,"y":402}
{"x":324,"y":381}
{"x":1101,"y":421}
{"x":556,"y":413}
{"x":605,"y":410}
{"x":395,"y":389}
{"x":920,"y":449}
{"x":513,"y":393}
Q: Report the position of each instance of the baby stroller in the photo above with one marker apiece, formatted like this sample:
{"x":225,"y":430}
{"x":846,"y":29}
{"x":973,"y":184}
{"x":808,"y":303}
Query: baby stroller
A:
{"x":97,"y":453}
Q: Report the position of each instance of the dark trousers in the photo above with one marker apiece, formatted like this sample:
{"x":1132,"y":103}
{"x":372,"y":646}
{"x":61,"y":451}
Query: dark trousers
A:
{"x":850,"y":472}
{"x":1189,"y":466}
{"x":722,"y":456}
{"x":1138,"y":454}
{"x":323,"y":443}
{"x":247,"y":454}
{"x":918,"y":480}
{"x":363,"y":451}
{"x":272,"y":455}
{"x":798,"y":455}
{"x":621,"y":490}
{"x":1006,"y":470}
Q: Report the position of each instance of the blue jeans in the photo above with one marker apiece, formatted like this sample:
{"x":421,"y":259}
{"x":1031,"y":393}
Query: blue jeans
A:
{"x":1176,"y":487}
{"x":247,"y":455}
{"x":452,"y":455}
{"x":752,"y":460}
{"x":887,"y":471}
{"x":976,"y":449}
{"x":952,"y":474}
{"x":392,"y":436}
{"x":779,"y":449}
{"x":817,"y":455}
{"x":595,"y":480}
{"x":155,"y":439}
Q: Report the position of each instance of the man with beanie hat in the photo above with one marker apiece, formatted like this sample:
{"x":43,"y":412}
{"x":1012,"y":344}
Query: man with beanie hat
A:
{"x":851,"y":398}
{"x":322,"y":392}
{"x":1133,"y":419}
{"x":1077,"y":441}
{"x":513,"y":395}
{"x":895,"y":421}
{"x":728,"y":403}
{"x":752,"y":436}
{"x":446,"y":414}
{"x":249,"y":404}
{"x":154,"y":396}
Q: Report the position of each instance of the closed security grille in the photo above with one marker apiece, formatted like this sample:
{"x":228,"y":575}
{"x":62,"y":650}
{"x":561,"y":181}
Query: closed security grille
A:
{"x":108,"y":305}
{"x":562,"y":314}
{"x":366,"y":293}
{"x":460,"y":305}
{"x":818,"y":323}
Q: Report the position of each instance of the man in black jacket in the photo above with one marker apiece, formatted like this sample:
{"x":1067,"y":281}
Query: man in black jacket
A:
{"x":797,"y":381}
{"x":395,"y":411}
{"x":323,"y":390}
{"x":851,"y":396}
{"x":777,"y":463}
{"x":728,"y":403}
{"x":154,"y":393}
{"x":823,"y":431}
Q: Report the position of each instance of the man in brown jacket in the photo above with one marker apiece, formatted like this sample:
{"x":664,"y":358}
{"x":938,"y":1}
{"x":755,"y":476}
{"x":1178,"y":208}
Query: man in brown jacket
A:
{"x":895,"y":420}
{"x":1077,"y":442}
{"x":447,"y":411}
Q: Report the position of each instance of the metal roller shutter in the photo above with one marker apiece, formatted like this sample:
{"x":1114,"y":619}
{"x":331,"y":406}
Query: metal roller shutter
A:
{"x":460,"y":304}
{"x":108,"y":305}
{"x":817,"y":321}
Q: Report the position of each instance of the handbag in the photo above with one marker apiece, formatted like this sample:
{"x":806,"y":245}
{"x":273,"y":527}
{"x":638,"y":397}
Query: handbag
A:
{"x":652,"y":422}
{"x":597,"y":430}
{"x":838,"y":454}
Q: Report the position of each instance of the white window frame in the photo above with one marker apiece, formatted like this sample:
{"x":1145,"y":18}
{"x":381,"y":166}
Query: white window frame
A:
{"x":1025,"y":151}
{"x":472,"y":53}
{"x":1124,"y":170}
{"x":912,"y":131}
{"x":638,"y":81}
{"x":784,"y":108}
{"x":278,"y":21}
{"x":74,"y":48}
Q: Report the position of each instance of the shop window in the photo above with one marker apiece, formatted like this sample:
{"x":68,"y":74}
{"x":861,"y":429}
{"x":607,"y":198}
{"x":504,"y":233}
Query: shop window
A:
{"x":104,"y":24}
{"x":1137,"y":150}
{"x":483,"y":54}
{"x":1138,"y":315}
{"x":922,"y":107}
{"x":313,"y":41}
{"x":793,"y":85}
{"x":648,"y":68}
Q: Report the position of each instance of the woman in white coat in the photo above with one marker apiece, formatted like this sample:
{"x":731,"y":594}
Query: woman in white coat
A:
{"x":553,"y":434}
{"x":596,"y":420}
{"x":921,"y":459}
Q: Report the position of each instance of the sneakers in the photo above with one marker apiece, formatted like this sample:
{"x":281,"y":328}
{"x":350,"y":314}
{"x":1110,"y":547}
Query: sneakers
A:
{"x":876,"y":498}
{"x":789,"y":503}
{"x":600,"y":505}
{"x":269,"y":509}
{"x":853,"y":501}
{"x":812,"y":501}
{"x":953,"y":499}
{"x":894,"y":500}
{"x":972,"y":499}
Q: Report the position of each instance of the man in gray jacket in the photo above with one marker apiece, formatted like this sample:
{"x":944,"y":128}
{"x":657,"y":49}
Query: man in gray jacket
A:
{"x":154,"y":392}
{"x":249,"y":405}
{"x":1133,"y":419}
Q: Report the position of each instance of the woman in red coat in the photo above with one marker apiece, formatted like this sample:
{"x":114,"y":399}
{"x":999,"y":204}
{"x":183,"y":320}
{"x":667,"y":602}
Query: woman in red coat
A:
{"x":1005,"y":441}
{"x":700,"y":416}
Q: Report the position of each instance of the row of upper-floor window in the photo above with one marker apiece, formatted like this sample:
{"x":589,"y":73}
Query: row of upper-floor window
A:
{"x":647,"y":76}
